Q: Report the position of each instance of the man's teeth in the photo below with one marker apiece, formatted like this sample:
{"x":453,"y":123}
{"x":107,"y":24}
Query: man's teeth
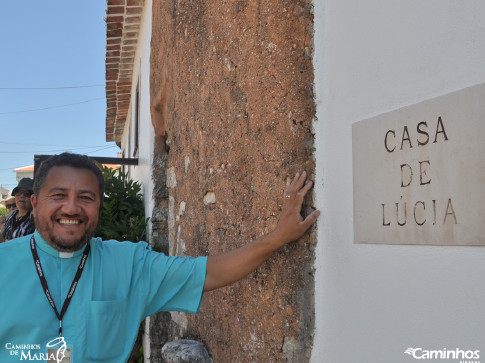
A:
{"x":69,"y":221}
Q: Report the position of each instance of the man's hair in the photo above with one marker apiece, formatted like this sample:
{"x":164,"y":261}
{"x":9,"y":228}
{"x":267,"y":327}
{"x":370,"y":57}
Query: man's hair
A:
{"x":72,"y":160}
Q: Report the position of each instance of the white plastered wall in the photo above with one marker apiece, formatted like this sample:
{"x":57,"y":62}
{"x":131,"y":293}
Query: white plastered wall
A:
{"x":141,"y":75}
{"x":373,"y":302}
{"x":143,"y":171}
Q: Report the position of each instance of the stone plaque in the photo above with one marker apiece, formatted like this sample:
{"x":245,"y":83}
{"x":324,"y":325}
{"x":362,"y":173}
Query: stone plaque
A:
{"x":418,"y":173}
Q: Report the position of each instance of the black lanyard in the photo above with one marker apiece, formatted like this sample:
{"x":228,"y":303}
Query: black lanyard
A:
{"x":43,"y":281}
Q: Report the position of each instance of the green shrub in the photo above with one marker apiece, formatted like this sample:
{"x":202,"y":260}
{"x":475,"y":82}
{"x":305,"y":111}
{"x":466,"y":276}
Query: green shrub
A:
{"x":122,"y":216}
{"x":3,"y":211}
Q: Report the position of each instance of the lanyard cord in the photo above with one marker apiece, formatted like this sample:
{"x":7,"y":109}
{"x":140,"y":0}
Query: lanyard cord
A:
{"x":43,"y":281}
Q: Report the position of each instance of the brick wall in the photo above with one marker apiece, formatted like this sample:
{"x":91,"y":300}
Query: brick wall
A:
{"x":232,"y":107}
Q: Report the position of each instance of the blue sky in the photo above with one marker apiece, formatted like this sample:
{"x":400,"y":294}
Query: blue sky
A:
{"x":51,"y":44}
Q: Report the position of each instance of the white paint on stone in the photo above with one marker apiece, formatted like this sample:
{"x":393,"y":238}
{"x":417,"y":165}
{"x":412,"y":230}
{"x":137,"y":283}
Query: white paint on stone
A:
{"x":171,"y":178}
{"x":187,"y":163}
{"x":171,"y":223}
{"x":181,"y":320}
{"x":180,"y":243}
{"x":209,"y":198}
{"x":181,"y":210}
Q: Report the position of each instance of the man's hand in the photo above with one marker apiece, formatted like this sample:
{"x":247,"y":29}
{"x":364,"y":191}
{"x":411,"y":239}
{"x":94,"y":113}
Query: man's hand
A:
{"x":229,"y":267}
{"x":291,"y":225}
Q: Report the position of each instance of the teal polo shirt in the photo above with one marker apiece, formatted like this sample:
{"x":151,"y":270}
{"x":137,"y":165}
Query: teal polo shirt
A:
{"x":122,"y":283}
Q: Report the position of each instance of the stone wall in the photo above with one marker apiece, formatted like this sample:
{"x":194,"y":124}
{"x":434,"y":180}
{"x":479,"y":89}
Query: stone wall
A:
{"x":232,"y":107}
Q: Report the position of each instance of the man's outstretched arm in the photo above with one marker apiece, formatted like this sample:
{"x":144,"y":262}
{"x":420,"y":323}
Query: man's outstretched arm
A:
{"x":227,"y":268}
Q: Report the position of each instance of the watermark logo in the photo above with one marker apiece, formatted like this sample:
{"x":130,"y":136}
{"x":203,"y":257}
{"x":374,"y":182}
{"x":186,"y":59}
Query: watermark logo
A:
{"x":456,"y":355}
{"x":56,"y":351}
{"x":410,"y":351}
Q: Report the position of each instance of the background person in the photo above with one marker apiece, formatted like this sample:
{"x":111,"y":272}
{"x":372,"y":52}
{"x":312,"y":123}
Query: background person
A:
{"x":10,"y":206}
{"x":21,"y":221}
{"x":10,"y":203}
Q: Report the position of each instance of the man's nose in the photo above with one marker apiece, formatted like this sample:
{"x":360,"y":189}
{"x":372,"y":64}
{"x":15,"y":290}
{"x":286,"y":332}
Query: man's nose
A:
{"x":70,"y":206}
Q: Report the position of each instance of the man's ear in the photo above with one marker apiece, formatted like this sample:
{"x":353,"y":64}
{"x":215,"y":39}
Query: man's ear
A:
{"x":33,"y":201}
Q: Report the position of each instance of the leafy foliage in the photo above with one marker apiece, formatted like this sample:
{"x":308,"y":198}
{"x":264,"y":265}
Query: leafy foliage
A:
{"x":3,"y":211}
{"x":122,"y":216}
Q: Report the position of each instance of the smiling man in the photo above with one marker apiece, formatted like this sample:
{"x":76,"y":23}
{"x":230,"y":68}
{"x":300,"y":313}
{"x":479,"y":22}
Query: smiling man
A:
{"x":66,"y":207}
{"x":62,"y":282}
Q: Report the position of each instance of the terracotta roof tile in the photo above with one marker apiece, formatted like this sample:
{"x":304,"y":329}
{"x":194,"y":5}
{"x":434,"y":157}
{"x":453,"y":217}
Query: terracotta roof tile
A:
{"x":122,"y":31}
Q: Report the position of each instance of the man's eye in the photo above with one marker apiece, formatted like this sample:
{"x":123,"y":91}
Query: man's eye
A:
{"x":87,"y":198}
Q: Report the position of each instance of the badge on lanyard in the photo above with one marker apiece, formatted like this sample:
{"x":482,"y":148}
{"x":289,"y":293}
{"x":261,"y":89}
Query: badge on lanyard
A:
{"x":58,"y":352}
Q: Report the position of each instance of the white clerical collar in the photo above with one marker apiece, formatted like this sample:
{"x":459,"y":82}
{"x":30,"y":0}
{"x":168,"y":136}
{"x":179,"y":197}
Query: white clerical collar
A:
{"x":44,"y":246}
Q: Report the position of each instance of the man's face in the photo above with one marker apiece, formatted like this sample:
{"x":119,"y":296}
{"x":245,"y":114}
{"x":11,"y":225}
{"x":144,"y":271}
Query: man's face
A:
{"x":66,"y":209}
{"x":22,"y":200}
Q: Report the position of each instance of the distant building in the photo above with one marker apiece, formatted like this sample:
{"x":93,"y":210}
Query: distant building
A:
{"x":3,"y":192}
{"x":24,"y":172}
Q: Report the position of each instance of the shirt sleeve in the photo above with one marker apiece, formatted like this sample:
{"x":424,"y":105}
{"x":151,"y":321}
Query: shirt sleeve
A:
{"x":148,"y":281}
{"x":173,"y":283}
